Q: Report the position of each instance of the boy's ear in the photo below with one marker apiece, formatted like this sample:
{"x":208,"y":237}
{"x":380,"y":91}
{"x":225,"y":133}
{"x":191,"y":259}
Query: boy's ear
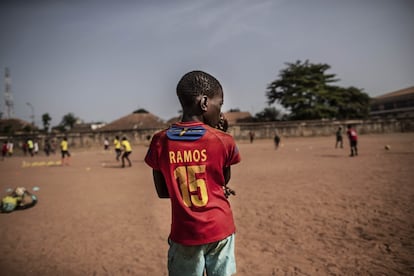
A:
{"x":204,"y":103}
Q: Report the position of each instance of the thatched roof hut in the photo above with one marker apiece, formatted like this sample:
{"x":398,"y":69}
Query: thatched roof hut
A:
{"x":135,"y":121}
{"x":174,"y":120}
{"x":15,"y":126}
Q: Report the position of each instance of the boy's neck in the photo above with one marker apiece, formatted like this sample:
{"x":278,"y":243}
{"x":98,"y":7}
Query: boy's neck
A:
{"x":191,"y":118}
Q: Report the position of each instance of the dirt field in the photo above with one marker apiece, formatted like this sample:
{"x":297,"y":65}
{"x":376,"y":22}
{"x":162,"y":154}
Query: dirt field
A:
{"x":304,"y":209}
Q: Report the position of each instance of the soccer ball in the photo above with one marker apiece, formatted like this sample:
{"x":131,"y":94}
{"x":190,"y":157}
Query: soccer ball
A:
{"x":20,"y":191}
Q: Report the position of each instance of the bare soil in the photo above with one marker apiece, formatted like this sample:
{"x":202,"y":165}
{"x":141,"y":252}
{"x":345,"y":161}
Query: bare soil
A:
{"x":304,"y":209}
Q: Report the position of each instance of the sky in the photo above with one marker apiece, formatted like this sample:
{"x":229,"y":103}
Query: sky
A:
{"x":103,"y":59}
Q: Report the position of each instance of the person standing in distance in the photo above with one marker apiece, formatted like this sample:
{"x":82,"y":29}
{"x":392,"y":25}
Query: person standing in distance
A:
{"x":30,"y":147}
{"x":339,"y":140}
{"x":117,"y":145}
{"x":191,"y":163}
{"x":353,"y":140}
{"x":4,"y":150}
{"x":106,"y":144}
{"x":10,"y":147}
{"x":276,"y":140}
{"x":64,"y":149}
{"x":127,"y":150}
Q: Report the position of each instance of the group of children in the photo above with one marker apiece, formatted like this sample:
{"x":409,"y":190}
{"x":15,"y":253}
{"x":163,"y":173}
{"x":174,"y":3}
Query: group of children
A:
{"x":122,"y":149}
{"x":29,"y":146}
{"x":32,"y":147}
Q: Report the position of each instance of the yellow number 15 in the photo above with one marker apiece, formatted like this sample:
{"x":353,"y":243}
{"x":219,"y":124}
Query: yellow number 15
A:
{"x":193,"y":189}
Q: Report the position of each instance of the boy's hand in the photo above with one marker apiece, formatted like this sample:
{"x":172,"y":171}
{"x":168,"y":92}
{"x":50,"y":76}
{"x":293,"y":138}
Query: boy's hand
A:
{"x":223,"y":124}
{"x":228,"y":191}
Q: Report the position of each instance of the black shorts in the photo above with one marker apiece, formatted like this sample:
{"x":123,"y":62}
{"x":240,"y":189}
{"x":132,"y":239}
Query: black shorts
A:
{"x":126,"y":154}
{"x":65,"y":153}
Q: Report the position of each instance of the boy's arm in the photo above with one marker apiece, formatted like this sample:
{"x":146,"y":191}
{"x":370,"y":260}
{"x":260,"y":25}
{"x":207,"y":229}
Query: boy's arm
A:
{"x":227,"y":174}
{"x":160,"y":184}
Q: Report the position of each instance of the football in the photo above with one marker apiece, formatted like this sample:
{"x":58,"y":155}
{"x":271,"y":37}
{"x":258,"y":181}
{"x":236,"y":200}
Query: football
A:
{"x":20,"y":191}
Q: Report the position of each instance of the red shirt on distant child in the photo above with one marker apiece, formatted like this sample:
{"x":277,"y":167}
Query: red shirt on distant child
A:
{"x":191,"y":156}
{"x":352,"y":134}
{"x":4,"y":149}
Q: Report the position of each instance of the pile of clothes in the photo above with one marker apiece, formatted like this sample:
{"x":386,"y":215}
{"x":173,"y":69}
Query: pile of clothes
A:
{"x":20,"y":198}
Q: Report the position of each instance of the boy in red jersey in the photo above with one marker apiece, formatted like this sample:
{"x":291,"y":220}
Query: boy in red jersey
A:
{"x":353,"y":140}
{"x":191,"y":165}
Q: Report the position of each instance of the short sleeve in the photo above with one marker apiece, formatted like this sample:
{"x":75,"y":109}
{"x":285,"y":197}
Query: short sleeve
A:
{"x":233,"y":154}
{"x":151,"y":158}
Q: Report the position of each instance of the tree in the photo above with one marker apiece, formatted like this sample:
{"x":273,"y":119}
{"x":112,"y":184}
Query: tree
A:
{"x":46,"y":121}
{"x":8,"y":130}
{"x":269,"y":114}
{"x":351,"y":103}
{"x":305,"y":90}
{"x":68,"y":121}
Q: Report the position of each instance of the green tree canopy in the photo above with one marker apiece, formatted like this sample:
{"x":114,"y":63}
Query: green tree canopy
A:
{"x":68,"y":120}
{"x":269,"y":114}
{"x":305,"y":89}
{"x":351,"y":103}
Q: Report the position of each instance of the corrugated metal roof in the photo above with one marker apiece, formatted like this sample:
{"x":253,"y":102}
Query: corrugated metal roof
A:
{"x":405,"y":91}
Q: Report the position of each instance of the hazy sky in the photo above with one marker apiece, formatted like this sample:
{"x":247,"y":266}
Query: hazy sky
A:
{"x":102,"y":60}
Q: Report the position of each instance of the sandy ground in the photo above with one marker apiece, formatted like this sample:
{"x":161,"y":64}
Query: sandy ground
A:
{"x":304,"y":209}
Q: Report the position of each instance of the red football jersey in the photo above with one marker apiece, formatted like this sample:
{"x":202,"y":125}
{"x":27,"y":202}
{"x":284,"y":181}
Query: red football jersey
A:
{"x":352,"y":134}
{"x":191,"y":156}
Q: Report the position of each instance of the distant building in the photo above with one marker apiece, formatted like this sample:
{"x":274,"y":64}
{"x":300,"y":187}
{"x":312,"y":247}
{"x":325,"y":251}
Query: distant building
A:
{"x":173,"y":120}
{"x":15,"y":126}
{"x":397,"y":104}
{"x":234,"y":117}
{"x":135,"y":121}
{"x":95,"y":126}
{"x":86,"y":127}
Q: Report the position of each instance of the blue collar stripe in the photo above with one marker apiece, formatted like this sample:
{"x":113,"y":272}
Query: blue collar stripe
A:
{"x":179,"y":133}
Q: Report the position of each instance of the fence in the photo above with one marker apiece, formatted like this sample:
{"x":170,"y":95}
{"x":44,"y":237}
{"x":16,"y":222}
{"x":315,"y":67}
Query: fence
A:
{"x":319,"y":128}
{"x":95,"y":138}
